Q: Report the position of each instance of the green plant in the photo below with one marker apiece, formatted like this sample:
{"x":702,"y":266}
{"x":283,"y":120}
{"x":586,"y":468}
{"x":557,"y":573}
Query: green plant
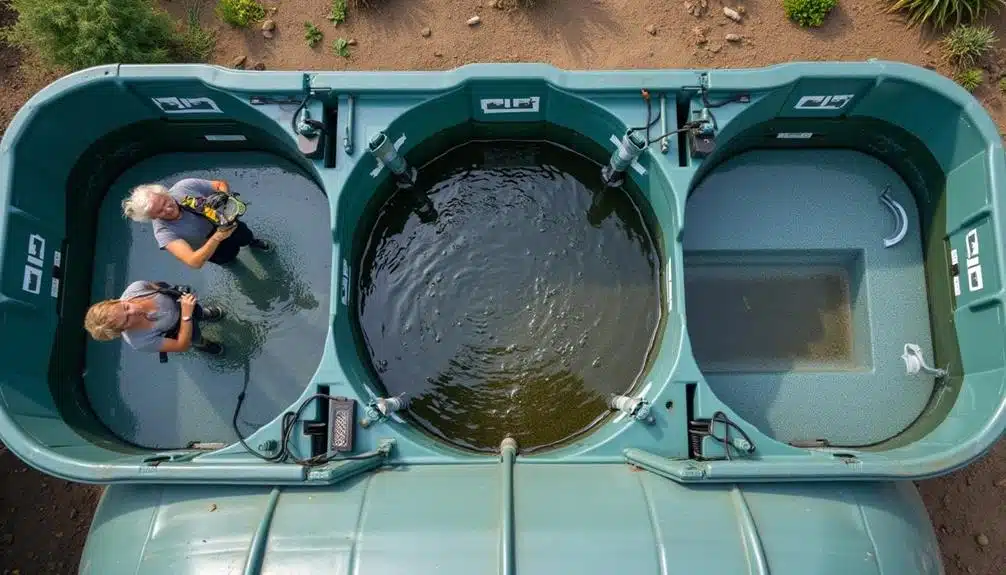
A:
{"x":965,"y":45}
{"x":340,"y":47}
{"x":970,"y":78}
{"x":337,"y":14}
{"x":808,"y":12}
{"x":516,"y":4}
{"x":1002,"y":85}
{"x":940,"y":13}
{"x":312,"y":34}
{"x":240,"y":12}
{"x":196,"y":43}
{"x":84,"y":33}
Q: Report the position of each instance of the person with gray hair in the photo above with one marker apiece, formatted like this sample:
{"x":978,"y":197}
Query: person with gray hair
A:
{"x":188,"y":235}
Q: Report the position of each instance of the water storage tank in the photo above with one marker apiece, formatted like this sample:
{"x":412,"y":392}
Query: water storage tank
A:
{"x":604,"y":289}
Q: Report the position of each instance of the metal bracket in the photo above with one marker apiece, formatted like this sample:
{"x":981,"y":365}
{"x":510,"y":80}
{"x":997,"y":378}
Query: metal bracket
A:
{"x":915,"y":362}
{"x":900,"y":216}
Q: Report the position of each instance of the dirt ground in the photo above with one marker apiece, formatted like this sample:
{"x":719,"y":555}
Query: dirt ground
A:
{"x":44,"y":521}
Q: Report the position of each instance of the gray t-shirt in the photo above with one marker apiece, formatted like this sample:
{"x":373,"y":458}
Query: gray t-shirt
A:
{"x":189,"y":227}
{"x":164,"y":318}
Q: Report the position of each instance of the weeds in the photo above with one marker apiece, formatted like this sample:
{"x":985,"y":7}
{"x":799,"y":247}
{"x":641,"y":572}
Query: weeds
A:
{"x":196,"y":43}
{"x":337,"y":14}
{"x":82,"y":33}
{"x":516,"y":4}
{"x":240,"y":13}
{"x":340,"y":47}
{"x":1002,"y":85}
{"x":808,"y":13}
{"x":970,"y":78}
{"x":941,"y":13}
{"x":312,"y":34}
{"x":966,"y":45}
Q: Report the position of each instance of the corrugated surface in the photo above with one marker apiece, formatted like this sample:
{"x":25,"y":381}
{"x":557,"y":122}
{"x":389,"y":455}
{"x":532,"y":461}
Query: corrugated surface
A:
{"x":569,"y":519}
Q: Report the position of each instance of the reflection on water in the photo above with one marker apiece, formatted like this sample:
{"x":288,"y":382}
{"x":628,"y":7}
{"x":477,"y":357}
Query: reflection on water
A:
{"x":276,"y":304}
{"x":528,"y":297}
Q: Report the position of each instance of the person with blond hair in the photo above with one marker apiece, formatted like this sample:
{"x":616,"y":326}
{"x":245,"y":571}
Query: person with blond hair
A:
{"x":153,"y":317}
{"x":189,"y":236}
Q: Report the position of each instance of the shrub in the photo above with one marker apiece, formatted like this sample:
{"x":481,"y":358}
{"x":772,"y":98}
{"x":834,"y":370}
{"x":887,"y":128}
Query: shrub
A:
{"x":808,"y":12}
{"x":966,"y":45}
{"x":240,"y":12}
{"x":940,"y":13}
{"x":197,"y":44}
{"x":337,"y":14}
{"x":516,"y":4}
{"x":340,"y":47}
{"x":970,"y":78}
{"x":312,"y":34}
{"x":84,"y":33}
{"x":1002,"y":85}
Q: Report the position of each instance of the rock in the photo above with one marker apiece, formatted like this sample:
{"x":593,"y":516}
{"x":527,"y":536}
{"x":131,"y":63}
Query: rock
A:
{"x":474,"y":21}
{"x":741,"y":10}
{"x":699,"y":34}
{"x":267,"y":33}
{"x":351,"y":42}
{"x":930,"y":67}
{"x":715,"y":48}
{"x":239,"y":62}
{"x":260,"y":66}
{"x":697,"y":8}
{"x":733,"y":38}
{"x":438,"y":54}
{"x":982,"y":539}
{"x":269,"y":25}
{"x":731,"y":13}
{"x":213,"y":507}
{"x":73,"y":513}
{"x":426,"y":32}
{"x":59,"y":535}
{"x":651,"y":29}
{"x":1001,"y":482}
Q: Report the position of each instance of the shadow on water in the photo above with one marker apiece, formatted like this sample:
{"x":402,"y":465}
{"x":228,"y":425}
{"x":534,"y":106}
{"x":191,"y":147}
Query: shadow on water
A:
{"x":517,"y":303}
{"x":276,"y":304}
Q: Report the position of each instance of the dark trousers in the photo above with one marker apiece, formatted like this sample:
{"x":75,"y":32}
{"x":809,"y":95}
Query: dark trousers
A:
{"x":197,"y":314}
{"x":229,"y":248}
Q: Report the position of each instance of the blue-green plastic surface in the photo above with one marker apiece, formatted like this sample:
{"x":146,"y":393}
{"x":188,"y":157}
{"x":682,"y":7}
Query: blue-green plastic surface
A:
{"x":57,"y":164}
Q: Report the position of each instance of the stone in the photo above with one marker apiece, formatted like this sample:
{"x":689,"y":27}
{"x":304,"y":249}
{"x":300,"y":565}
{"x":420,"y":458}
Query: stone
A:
{"x":474,"y":21}
{"x":438,"y":54}
{"x":731,"y":13}
{"x":426,"y":32}
{"x":260,"y":66}
{"x":651,"y":29}
{"x":697,"y":8}
{"x":1001,"y":482}
{"x":73,"y":513}
{"x":733,"y":38}
{"x":267,"y":33}
{"x":351,"y":42}
{"x":269,"y":25}
{"x":982,"y":539}
{"x":239,"y":62}
{"x":715,"y":48}
{"x":699,"y":34}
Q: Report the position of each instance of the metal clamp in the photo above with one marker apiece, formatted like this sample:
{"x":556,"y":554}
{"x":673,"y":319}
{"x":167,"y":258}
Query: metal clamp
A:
{"x":915,"y":362}
{"x":900,"y":216}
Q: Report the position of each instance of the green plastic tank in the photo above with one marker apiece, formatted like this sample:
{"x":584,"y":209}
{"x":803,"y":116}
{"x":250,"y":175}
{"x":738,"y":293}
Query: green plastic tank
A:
{"x":830,"y":291}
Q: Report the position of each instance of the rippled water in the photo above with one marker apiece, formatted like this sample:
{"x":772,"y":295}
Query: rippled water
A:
{"x":508,"y":294}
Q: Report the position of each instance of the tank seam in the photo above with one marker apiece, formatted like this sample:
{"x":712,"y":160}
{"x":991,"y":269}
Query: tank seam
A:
{"x":658,"y":535}
{"x":750,"y":540}
{"x":869,"y":532}
{"x":150,"y":530}
{"x":354,"y":547}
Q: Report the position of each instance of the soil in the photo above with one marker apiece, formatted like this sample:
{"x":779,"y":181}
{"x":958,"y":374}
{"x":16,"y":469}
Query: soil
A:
{"x":44,"y":520}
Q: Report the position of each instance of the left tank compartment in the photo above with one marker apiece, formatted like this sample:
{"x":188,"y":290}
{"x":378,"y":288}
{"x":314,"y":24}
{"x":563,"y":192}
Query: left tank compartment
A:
{"x":275,"y":306}
{"x":93,"y":411}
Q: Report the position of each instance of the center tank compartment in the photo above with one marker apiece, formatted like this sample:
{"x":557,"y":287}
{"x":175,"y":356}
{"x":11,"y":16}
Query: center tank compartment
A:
{"x":509,"y":292}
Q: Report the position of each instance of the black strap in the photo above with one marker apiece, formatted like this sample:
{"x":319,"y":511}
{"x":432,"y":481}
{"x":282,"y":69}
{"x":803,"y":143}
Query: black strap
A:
{"x":174,"y":292}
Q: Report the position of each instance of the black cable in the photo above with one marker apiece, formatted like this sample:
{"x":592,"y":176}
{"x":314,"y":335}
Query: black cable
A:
{"x":293,"y":119}
{"x":725,"y":440}
{"x":234,"y":423}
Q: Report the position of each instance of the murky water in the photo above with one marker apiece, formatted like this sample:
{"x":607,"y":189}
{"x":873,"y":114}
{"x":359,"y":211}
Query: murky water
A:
{"x":514,"y":299}
{"x":276,"y":304}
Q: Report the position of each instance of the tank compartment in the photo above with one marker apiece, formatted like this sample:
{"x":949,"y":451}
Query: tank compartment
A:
{"x":276,"y":305}
{"x":509,"y":293}
{"x":797,"y":312}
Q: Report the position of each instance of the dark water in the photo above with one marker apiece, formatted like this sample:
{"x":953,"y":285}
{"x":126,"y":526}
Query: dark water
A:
{"x":514,"y":300}
{"x":276,"y":304}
